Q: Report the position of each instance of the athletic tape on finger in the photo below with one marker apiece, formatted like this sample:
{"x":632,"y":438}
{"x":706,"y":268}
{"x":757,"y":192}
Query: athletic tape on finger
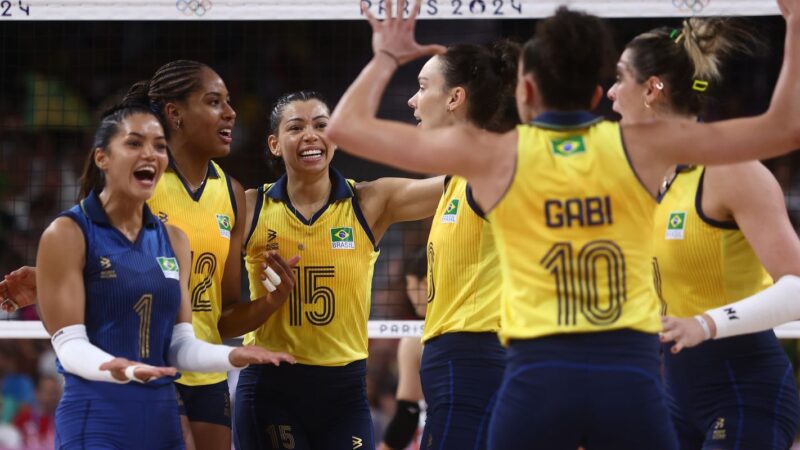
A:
{"x":267,"y":284}
{"x":273,"y":277}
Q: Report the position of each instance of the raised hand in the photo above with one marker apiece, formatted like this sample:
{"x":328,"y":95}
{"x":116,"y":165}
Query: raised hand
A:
{"x":142,"y":373}
{"x":685,"y":332}
{"x":18,"y":289}
{"x":253,"y":354}
{"x":394,"y":36}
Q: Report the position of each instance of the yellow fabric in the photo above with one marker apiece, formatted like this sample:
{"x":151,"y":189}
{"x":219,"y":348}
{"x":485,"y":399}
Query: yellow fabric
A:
{"x":207,"y":222}
{"x":700,"y":265}
{"x":324,"y":323}
{"x":464,"y":279}
{"x":573,"y":236}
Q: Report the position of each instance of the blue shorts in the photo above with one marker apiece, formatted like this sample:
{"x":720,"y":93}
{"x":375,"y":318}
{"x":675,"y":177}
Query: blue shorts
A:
{"x":303,"y":407}
{"x":209,"y":403}
{"x":735,"y":393}
{"x":94,"y":415}
{"x":602,"y":391}
{"x":460,"y":374}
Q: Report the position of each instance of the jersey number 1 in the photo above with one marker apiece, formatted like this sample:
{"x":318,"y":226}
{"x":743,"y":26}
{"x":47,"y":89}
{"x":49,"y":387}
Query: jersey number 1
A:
{"x":144,"y":308}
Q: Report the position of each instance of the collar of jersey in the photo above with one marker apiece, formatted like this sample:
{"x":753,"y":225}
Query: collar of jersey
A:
{"x":212,"y":172}
{"x":92,"y":207}
{"x":565,"y":120}
{"x":339,"y":191}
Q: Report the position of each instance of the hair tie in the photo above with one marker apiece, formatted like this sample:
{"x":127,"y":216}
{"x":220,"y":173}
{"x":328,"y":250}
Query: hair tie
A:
{"x":700,"y":85}
{"x":673,"y":33}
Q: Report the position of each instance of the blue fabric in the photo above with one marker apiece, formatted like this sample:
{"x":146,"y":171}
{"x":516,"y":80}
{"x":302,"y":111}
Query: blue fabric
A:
{"x":303,"y":407}
{"x":735,"y":393}
{"x":117,"y":416}
{"x":209,"y":403}
{"x":125,"y":285}
{"x":460,"y":374}
{"x":601,"y":391}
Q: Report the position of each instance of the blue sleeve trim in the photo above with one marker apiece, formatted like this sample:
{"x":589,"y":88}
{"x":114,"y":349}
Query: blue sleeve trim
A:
{"x":231,"y":194}
{"x":698,"y":206}
{"x":363,"y":221}
{"x":256,"y":211}
{"x":472,"y":204}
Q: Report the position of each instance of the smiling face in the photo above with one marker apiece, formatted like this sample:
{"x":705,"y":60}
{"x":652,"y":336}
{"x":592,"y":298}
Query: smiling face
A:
{"x":207,"y":117}
{"x":627,"y":94}
{"x":135,"y":158}
{"x":300,"y":138}
{"x":430,"y":102}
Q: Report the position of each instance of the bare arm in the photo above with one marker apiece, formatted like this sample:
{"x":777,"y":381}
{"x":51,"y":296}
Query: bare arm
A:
{"x":409,"y":354}
{"x":59,"y":279}
{"x":237,"y":317}
{"x":389,"y":200}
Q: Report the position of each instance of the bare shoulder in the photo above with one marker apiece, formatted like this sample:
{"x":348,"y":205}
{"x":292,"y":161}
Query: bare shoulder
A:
{"x":176,"y":236}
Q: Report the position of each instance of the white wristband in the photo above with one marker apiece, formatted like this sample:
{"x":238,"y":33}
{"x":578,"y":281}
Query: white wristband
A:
{"x":704,"y":324}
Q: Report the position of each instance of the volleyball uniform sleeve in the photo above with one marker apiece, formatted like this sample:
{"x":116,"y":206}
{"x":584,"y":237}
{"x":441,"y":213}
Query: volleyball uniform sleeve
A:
{"x":79,"y":356}
{"x":186,"y":352}
{"x":778,"y":304}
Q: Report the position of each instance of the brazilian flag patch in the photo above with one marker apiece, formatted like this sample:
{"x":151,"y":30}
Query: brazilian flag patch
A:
{"x":224,"y":224}
{"x":451,"y":212}
{"x":676,"y":225}
{"x":342,"y":238}
{"x":568,"y":146}
{"x":169,"y":266}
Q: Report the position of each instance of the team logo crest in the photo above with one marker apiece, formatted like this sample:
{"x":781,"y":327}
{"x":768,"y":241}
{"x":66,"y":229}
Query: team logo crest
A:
{"x":224,"y":224}
{"x":170,"y":267}
{"x":569,"y":146}
{"x":451,"y":212}
{"x":342,"y":238}
{"x":676,"y":225}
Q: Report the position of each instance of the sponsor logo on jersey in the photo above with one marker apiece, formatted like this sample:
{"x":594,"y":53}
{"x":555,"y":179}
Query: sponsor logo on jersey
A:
{"x":107,"y":272}
{"x":342,"y":238}
{"x":163,"y":217}
{"x":568,"y":146}
{"x":451,"y":212}
{"x":272,"y":235}
{"x":719,"y":433}
{"x":676,"y":225}
{"x":224,"y":224}
{"x":169,"y":266}
{"x":357,"y":442}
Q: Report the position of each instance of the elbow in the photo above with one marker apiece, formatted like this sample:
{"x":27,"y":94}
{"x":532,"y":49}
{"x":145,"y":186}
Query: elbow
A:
{"x":337,"y":130}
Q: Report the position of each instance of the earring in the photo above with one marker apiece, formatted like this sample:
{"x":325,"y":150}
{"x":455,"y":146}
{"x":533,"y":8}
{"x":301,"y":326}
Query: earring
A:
{"x":178,"y":124}
{"x":646,"y":105}
{"x":659,"y":85}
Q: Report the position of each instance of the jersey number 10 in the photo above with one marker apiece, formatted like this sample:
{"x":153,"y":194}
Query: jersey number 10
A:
{"x":577,"y":279}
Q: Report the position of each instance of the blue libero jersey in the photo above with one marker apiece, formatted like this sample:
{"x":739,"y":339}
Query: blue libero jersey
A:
{"x":132,"y":288}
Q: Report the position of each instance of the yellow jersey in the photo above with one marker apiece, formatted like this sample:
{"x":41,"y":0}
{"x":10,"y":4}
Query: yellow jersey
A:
{"x":700,"y":263}
{"x":573,"y":233}
{"x":207,"y":217}
{"x":324,"y":322}
{"x":464,"y":279}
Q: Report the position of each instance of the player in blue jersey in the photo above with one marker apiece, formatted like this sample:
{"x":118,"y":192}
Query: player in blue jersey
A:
{"x":112,"y":289}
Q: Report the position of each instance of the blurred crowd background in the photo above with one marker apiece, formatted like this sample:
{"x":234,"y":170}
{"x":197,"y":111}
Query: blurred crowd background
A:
{"x":55,"y":77}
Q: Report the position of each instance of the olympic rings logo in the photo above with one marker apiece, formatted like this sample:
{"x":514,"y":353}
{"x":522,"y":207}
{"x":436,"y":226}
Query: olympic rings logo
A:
{"x":694,"y":6}
{"x":196,"y":7}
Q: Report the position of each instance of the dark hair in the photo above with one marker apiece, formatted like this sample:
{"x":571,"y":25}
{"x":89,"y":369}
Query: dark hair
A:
{"x":488,"y":75}
{"x":93,"y":179}
{"x":173,"y":81}
{"x":688,"y":59}
{"x":571,"y":54}
{"x":275,"y":163}
{"x":417,"y":264}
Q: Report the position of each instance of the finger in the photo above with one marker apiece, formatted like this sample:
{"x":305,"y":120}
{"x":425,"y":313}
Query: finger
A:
{"x":273,"y":277}
{"x":373,"y":22}
{"x":401,"y":9}
{"x":8,"y":305}
{"x":389,"y":13}
{"x":677,"y":348}
{"x":268,"y":285}
{"x":667,"y":336}
{"x":433,"y":49}
{"x":415,"y":10}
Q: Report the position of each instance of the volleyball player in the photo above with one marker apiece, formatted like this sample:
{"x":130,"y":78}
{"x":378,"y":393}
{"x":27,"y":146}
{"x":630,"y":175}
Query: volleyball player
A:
{"x":198,"y":197}
{"x":710,"y":245}
{"x":463,"y":361}
{"x":109,"y":280}
{"x":568,"y":204}
{"x":405,"y":422}
{"x":335,"y":224}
